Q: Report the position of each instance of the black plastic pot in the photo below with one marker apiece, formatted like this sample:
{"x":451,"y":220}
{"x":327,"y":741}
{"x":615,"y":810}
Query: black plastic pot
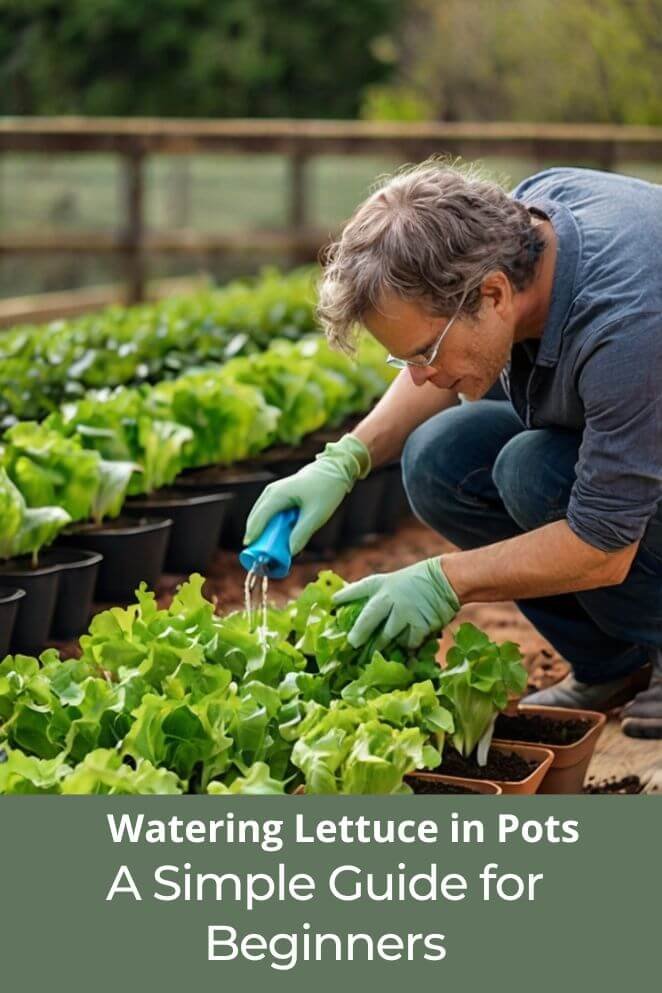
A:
{"x":79,"y":570}
{"x":325,"y":543}
{"x":362,"y":508}
{"x":246,"y":488}
{"x":133,"y":551}
{"x":10,"y":600}
{"x":394,"y":505}
{"x":246,"y":485}
{"x":34,"y":617}
{"x":197,"y":521}
{"x":287,"y":467}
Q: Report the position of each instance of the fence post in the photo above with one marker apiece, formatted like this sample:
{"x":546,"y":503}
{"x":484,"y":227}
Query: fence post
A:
{"x":134,"y":233}
{"x":298,"y":206}
{"x":606,"y":155}
{"x":179,"y":192}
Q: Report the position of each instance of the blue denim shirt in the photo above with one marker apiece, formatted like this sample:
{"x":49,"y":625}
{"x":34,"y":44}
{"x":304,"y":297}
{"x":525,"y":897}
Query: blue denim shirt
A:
{"x":597,"y":368}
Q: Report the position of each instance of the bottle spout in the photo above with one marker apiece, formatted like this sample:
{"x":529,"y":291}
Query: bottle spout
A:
{"x":270,"y":554}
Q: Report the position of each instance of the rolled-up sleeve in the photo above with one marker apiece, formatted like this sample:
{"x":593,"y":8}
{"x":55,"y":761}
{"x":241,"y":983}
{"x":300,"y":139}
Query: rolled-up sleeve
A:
{"x":619,"y":470}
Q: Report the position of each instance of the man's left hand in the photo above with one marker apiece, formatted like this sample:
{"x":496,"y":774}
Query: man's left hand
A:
{"x":413,"y":603}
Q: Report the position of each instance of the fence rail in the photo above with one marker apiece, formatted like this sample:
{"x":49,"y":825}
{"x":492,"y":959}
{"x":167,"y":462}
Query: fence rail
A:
{"x":135,"y":139}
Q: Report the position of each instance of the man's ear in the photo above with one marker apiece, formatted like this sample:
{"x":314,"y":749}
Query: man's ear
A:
{"x":497,"y":292}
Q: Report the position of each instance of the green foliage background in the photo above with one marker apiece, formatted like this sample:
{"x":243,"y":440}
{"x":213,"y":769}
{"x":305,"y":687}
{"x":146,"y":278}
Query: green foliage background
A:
{"x":190,"y":58}
{"x":526,"y":60}
{"x":536,"y":60}
{"x":403,"y":60}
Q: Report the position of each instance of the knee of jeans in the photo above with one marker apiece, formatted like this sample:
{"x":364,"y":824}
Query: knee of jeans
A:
{"x":427,"y":470}
{"x":531,"y":487}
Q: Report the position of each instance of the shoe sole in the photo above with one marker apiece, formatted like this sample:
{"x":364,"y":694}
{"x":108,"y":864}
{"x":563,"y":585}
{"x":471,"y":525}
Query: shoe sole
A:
{"x":642,"y":727}
{"x":639,"y":681}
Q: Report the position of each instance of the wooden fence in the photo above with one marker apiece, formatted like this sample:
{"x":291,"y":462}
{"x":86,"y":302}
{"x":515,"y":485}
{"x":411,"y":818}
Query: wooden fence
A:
{"x":134,"y":139}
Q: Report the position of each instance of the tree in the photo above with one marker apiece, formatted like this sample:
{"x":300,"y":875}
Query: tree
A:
{"x":191,"y":58}
{"x":534,"y":60}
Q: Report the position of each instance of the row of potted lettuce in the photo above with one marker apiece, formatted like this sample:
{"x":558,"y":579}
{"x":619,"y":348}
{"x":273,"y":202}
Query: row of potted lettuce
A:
{"x":84,"y":459}
{"x":50,"y":478}
{"x":182,"y":700}
{"x":42,"y":366}
{"x":177,"y":530}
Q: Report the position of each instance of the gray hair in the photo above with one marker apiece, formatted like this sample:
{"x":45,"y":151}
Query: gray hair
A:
{"x":430,"y":234}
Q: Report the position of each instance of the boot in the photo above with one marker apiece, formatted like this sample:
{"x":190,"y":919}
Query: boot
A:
{"x":591,"y":696}
{"x":642,"y":718}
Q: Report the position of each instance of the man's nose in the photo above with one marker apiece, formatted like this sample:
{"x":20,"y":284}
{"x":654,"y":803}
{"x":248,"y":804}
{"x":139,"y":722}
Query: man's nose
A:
{"x":421,"y":374}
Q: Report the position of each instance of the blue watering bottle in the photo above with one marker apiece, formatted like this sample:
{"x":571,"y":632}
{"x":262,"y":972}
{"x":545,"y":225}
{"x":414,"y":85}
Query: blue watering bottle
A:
{"x":270,"y":555}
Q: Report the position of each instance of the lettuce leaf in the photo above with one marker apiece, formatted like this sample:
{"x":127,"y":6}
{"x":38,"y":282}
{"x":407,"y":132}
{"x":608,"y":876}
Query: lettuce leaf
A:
{"x":258,"y":781}
{"x":477,"y":681}
{"x":103,"y":772}
{"x":25,"y":530}
{"x":21,"y":774}
{"x":370,"y":748}
{"x":179,"y":699}
{"x":12,"y":510}
{"x":50,"y":469}
{"x":345,"y":751}
{"x":113,"y":484}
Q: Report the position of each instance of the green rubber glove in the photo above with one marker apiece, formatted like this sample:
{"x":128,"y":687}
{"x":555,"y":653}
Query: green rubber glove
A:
{"x":318,"y":490}
{"x":414,"y":603}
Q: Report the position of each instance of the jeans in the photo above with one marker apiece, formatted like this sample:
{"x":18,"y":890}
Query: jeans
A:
{"x":476,"y":475}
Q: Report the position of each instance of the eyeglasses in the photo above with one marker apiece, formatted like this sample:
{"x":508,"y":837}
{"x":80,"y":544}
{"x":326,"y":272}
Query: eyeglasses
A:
{"x":427,"y":357}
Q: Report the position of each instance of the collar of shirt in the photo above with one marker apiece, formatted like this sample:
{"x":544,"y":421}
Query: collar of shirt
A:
{"x":568,"y":243}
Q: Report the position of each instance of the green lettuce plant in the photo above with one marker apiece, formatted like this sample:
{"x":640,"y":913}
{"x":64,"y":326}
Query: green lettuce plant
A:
{"x":229,"y":421}
{"x":51,"y":469}
{"x":181,"y":699}
{"x":25,"y":530}
{"x":44,"y":366}
{"x":342,"y":750}
{"x":258,"y":781}
{"x":102,"y":771}
{"x":26,"y":774}
{"x":117,"y":425}
{"x":478,"y":679}
{"x":99,"y":446}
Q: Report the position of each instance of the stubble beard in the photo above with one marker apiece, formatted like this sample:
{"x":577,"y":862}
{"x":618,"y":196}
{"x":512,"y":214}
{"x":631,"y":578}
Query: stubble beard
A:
{"x":492,"y":367}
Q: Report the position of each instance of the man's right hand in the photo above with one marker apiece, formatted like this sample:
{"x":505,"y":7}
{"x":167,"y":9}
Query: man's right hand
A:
{"x":317,"y":490}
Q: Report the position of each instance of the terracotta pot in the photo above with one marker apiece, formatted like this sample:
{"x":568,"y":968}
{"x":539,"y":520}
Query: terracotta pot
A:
{"x":568,"y":769}
{"x":533,"y":753}
{"x":542,"y":756}
{"x":475,"y":785}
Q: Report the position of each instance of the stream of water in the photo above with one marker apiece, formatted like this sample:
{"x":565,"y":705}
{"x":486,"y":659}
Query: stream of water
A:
{"x":249,"y":586}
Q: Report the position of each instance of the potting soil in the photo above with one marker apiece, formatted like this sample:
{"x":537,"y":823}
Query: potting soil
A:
{"x":541,"y":730}
{"x":627,"y":786}
{"x":424,"y":787}
{"x":505,"y":766}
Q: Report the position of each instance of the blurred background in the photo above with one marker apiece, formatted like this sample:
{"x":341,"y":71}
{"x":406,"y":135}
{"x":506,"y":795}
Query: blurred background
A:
{"x":286,"y":113}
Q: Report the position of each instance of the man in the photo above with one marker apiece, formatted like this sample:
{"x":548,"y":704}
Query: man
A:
{"x":553,"y":497}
